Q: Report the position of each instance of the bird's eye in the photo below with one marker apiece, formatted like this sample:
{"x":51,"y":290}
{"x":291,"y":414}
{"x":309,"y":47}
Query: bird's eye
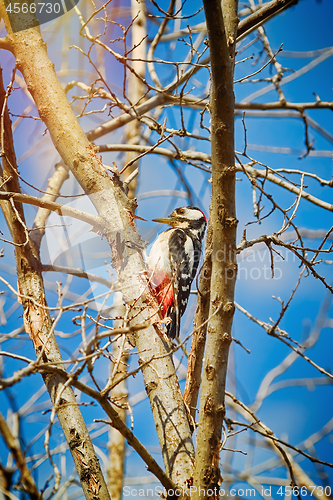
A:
{"x":181,"y":211}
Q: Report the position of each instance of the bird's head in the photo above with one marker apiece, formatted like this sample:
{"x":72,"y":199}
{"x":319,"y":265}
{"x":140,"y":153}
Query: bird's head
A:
{"x":185,"y":218}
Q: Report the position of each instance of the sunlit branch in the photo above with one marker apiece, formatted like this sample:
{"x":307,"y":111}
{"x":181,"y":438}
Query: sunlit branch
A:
{"x":93,"y":220}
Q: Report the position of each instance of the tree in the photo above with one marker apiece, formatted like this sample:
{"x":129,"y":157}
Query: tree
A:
{"x":83,"y":314}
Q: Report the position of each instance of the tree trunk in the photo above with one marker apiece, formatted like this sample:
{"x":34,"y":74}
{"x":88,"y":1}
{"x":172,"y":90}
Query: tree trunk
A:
{"x":222,"y":30}
{"x":38,"y":325}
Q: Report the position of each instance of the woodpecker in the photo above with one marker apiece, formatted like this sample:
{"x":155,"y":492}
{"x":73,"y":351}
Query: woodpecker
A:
{"x":173,"y":262}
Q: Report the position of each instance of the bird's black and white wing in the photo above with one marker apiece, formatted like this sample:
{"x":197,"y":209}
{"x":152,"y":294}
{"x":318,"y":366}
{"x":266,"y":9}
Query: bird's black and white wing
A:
{"x":181,"y":260}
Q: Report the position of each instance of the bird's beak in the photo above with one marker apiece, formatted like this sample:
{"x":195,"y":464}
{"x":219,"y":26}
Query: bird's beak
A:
{"x":165,"y":220}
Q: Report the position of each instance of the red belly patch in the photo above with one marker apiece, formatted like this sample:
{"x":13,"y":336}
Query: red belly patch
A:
{"x":162,"y":287}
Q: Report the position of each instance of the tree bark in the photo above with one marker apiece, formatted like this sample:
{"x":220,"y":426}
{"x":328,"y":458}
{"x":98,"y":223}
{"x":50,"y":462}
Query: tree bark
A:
{"x":117,"y":442}
{"x":222,"y":30}
{"x":136,"y":88}
{"x":193,"y":378}
{"x":119,"y":393}
{"x":13,"y":445}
